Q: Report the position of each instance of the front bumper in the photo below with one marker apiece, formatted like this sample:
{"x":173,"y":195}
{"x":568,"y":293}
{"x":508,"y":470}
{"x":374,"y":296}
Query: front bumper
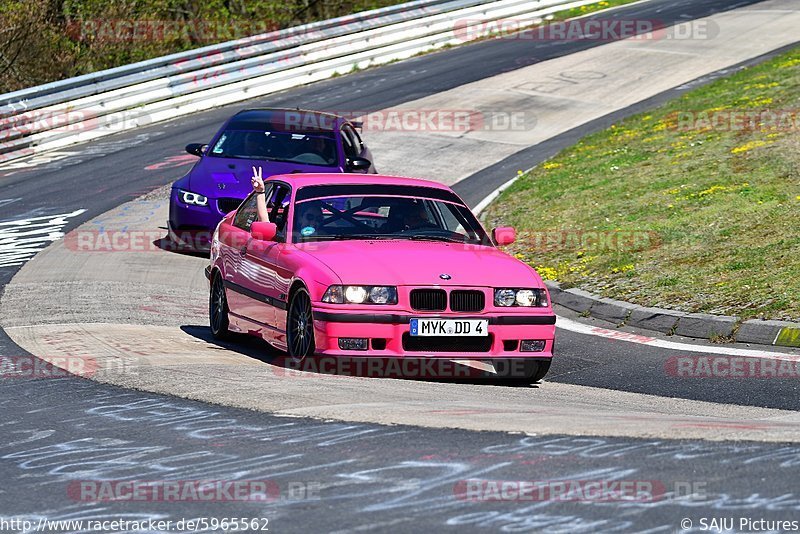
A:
{"x":192,"y":227}
{"x":389,"y":336}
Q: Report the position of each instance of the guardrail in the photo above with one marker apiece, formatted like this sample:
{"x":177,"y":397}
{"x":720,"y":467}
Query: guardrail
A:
{"x":79,"y":109}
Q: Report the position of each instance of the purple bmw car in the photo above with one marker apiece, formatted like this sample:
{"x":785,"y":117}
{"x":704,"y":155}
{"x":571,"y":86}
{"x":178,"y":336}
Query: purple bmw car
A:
{"x":281,"y":141}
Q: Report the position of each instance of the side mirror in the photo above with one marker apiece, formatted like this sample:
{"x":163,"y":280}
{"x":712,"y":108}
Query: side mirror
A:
{"x":263,"y":231}
{"x":196,"y":149}
{"x":360,"y":164}
{"x":504,"y":235}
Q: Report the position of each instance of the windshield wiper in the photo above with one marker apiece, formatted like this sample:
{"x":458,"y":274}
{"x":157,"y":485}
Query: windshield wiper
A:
{"x":343,"y":237}
{"x":424,"y":237}
{"x":387,"y":237}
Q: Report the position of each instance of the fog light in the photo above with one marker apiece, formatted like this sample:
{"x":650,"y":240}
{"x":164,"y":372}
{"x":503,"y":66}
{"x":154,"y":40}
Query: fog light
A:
{"x":532,"y":345}
{"x":353,"y":343}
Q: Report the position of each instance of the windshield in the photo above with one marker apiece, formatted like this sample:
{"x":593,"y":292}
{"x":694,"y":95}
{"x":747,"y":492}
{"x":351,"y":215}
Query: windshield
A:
{"x":385,"y":217}
{"x":308,"y":149}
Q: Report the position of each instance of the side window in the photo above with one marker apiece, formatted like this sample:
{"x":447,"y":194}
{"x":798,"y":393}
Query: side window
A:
{"x":354,"y":138}
{"x":246,"y":214}
{"x":278,"y":207}
{"x":349,"y":148}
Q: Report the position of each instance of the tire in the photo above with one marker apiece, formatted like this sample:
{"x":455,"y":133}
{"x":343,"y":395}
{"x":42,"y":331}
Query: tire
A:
{"x":218,"y":317}
{"x":542,"y":367}
{"x":300,"y":326}
{"x":534,"y":371}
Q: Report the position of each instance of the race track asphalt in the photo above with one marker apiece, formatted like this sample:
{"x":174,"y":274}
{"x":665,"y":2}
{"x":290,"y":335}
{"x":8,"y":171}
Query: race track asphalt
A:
{"x":382,"y":477}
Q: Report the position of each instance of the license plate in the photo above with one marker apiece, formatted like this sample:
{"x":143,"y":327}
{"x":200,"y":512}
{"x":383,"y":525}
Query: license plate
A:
{"x":449,"y":327}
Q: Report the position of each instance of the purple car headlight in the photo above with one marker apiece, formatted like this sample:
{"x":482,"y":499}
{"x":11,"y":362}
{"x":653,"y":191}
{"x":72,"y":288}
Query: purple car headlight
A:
{"x":527,"y":298}
{"x":360,"y":295}
{"x":194,"y":199}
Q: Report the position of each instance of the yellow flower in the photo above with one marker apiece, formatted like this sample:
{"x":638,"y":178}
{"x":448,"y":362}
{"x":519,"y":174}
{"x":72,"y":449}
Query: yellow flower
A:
{"x":789,"y":63}
{"x":552,"y":165}
{"x":748,"y":146}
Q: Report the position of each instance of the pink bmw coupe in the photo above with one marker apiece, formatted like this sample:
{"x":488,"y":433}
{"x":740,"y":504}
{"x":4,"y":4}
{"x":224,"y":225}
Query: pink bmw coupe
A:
{"x":383,"y":267}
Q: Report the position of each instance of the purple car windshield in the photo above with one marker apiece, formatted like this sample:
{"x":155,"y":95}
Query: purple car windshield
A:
{"x":306,"y":149}
{"x":385,"y":217}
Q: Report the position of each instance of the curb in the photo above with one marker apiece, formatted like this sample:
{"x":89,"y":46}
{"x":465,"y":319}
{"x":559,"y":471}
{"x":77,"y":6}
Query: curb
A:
{"x":695,"y":325}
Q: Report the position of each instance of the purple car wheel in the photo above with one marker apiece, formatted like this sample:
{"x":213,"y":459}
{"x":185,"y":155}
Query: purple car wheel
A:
{"x":218,"y":310}
{"x":300,"y":326}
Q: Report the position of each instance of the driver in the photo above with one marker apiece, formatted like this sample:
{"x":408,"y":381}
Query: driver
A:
{"x":254,"y":144}
{"x":315,"y":151}
{"x":416,"y":217}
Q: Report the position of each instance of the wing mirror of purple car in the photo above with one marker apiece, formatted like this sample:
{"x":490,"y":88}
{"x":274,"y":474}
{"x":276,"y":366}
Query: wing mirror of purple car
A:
{"x":263,"y":231}
{"x":196,"y":149}
{"x":504,"y":235}
{"x":359,"y":164}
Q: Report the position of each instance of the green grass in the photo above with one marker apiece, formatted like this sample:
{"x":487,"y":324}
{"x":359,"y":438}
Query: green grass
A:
{"x":722,"y":204}
{"x":590,"y":8}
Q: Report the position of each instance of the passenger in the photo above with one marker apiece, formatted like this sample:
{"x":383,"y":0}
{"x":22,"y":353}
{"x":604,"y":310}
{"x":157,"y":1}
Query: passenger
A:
{"x":308,"y":218}
{"x":257,"y":181}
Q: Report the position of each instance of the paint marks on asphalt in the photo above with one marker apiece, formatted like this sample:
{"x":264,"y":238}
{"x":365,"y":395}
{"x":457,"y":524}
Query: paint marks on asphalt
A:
{"x":21,"y":239}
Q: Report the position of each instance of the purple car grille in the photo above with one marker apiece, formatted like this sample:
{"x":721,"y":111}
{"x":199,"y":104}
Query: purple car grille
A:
{"x":227,"y":205}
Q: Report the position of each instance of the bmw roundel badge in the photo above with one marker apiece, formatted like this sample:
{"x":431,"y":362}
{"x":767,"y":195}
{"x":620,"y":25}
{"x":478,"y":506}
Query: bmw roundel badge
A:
{"x":445,"y":276}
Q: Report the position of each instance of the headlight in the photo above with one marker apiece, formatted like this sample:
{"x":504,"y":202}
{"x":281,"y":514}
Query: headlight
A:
{"x":382,"y":295}
{"x":504,"y":297}
{"x":193,"y":198}
{"x":360,"y":295}
{"x":355,"y":294}
{"x":520,"y":297}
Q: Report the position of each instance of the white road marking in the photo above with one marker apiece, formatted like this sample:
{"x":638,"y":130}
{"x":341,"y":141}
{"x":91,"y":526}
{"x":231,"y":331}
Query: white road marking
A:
{"x":21,"y":239}
{"x":720,"y":350}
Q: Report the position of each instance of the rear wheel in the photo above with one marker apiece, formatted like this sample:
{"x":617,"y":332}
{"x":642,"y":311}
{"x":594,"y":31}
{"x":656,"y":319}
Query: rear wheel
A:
{"x":218,"y":310}
{"x":300,"y":326}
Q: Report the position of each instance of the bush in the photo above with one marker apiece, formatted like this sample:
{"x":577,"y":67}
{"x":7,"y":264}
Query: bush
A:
{"x":46,"y":40}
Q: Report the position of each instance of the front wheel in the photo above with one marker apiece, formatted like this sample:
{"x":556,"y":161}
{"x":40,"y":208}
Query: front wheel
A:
{"x":218,"y":310}
{"x":523,"y":372}
{"x":300,"y":326}
{"x":542,"y":367}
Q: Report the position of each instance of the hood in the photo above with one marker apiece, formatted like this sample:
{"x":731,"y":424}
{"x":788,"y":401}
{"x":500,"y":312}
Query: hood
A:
{"x":225,"y":177}
{"x":420,"y":263}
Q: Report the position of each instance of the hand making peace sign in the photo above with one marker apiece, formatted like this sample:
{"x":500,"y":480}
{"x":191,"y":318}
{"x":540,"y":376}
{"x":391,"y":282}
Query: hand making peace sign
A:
{"x":257,"y":180}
